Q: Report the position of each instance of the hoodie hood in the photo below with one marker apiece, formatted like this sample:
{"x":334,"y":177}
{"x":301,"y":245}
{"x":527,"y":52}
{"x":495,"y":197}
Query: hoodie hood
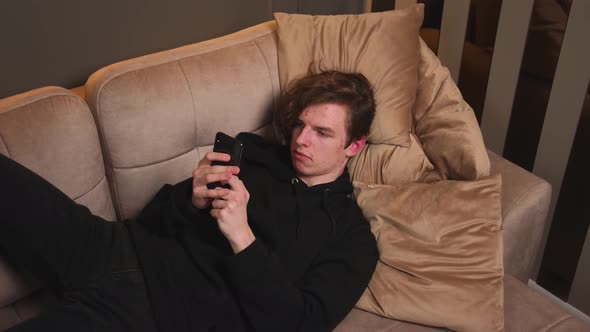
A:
{"x":330,"y":195}
{"x":263,"y":153}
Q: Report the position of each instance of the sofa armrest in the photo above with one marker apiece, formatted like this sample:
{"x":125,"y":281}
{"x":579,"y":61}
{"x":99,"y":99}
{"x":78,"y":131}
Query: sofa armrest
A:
{"x":525,"y":205}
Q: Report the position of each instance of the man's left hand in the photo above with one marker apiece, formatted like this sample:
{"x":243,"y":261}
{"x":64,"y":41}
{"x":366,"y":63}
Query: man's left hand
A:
{"x":231,"y":214}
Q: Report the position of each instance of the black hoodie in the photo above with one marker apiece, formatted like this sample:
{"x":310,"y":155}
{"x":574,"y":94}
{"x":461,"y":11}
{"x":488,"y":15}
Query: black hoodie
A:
{"x":312,"y":258}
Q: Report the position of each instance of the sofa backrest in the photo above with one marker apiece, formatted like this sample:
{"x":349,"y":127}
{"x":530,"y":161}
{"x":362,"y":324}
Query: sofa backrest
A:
{"x":158,"y":114}
{"x":51,"y":132}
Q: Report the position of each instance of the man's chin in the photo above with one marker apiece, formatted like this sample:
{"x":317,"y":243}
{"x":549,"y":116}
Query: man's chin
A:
{"x":300,"y":167}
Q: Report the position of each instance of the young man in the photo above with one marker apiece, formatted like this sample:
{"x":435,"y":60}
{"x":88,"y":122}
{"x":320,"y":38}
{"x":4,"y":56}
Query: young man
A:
{"x":284,"y":248}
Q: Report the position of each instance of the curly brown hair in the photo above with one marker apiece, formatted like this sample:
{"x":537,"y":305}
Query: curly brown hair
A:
{"x":351,"y":90}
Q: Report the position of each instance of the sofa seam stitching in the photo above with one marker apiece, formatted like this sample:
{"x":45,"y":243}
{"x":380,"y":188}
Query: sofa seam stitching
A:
{"x":5,"y":146}
{"x":522,"y":196}
{"x":174,"y":60}
{"x":42,"y":96}
{"x":104,"y":84}
{"x":35,"y":100}
{"x":192,"y":100}
{"x":267,"y":72}
{"x":113,"y":186}
{"x":92,"y":188}
{"x":155,"y":162}
{"x":559,"y":321}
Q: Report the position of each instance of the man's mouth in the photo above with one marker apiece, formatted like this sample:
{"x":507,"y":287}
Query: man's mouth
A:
{"x":300,"y":155}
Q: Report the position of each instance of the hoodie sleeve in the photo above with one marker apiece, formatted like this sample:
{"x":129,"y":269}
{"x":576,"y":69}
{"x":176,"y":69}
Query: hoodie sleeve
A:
{"x":320,"y":299}
{"x":171,"y":208}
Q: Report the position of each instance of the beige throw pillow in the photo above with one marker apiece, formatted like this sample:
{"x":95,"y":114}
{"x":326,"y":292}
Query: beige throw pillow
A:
{"x":440,"y":250}
{"x":382,"y":46}
{"x":392,"y":164}
{"x":445,"y":124}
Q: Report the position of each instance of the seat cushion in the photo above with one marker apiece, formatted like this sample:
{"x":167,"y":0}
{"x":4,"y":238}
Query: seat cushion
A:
{"x":525,"y":310}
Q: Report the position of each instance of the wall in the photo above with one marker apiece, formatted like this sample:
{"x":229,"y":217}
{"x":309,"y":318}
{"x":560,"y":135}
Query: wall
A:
{"x":61,"y":42}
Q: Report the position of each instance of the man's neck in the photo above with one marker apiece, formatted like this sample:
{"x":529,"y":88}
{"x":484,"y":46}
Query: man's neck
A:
{"x":311,"y":181}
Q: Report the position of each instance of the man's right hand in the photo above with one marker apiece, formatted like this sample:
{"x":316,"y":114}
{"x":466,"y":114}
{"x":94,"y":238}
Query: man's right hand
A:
{"x":205,"y":173}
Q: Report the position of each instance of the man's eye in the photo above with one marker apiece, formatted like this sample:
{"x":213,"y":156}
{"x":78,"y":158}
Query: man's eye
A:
{"x":298,"y":124}
{"x":323,"y":133}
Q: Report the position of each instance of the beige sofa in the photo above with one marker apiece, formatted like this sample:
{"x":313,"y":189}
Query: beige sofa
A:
{"x":147,"y":121}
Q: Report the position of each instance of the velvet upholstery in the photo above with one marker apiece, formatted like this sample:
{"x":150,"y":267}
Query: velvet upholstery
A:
{"x":525,"y":310}
{"x":525,"y":197}
{"x":155,"y":112}
{"x":387,"y":164}
{"x":33,"y":122}
{"x":440,"y":248}
{"x":445,"y":124}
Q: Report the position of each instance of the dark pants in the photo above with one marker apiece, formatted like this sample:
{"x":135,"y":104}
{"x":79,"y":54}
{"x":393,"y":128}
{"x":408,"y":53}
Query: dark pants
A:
{"x":88,"y":262}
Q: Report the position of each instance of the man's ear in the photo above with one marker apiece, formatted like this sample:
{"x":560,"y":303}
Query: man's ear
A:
{"x":356,"y":146}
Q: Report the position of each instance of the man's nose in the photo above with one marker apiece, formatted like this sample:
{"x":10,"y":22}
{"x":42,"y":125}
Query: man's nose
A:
{"x":303,"y":136}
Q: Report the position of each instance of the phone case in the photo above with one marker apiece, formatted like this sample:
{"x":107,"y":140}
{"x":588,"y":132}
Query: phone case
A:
{"x":226,"y":144}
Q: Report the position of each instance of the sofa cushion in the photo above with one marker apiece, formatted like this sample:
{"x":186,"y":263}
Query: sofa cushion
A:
{"x":525,"y":310}
{"x":51,"y":131}
{"x":159,"y":113}
{"x":382,"y":46}
{"x":440,"y":250}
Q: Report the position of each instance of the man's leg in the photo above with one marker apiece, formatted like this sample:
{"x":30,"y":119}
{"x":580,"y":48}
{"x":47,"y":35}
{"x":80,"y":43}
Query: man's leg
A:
{"x":43,"y":231}
{"x":90,"y":262}
{"x":115,"y":302}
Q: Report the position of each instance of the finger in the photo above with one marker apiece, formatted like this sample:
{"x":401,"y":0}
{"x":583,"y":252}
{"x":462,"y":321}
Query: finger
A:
{"x":217,"y":214}
{"x":219,"y":204}
{"x":213,"y":156}
{"x":201,"y":172}
{"x":222,"y":169}
{"x":218,"y":193}
{"x":216,"y":177}
{"x":236,"y":184}
{"x":202,"y":192}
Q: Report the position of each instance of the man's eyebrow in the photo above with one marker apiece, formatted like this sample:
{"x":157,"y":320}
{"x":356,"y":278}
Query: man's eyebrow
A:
{"x":325,"y":129}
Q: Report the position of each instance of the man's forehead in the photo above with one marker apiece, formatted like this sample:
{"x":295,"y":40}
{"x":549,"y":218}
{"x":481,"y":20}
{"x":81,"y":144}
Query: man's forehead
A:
{"x":327,"y":115}
{"x":331,"y":110}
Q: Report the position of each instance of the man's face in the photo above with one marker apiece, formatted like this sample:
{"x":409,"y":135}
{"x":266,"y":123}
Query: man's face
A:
{"x":318,"y":143}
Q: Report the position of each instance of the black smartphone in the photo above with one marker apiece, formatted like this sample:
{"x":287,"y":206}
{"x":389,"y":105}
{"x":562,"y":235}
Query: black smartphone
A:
{"x":226,"y":144}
